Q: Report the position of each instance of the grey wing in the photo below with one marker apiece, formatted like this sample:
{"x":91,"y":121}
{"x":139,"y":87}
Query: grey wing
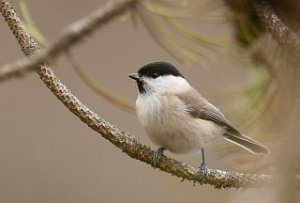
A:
{"x":199,"y":107}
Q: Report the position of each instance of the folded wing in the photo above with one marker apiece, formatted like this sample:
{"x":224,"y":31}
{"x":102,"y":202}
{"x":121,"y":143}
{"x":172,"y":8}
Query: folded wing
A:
{"x":198,"y":107}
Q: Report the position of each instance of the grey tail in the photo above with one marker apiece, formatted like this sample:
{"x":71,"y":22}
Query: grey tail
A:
{"x":247,"y":143}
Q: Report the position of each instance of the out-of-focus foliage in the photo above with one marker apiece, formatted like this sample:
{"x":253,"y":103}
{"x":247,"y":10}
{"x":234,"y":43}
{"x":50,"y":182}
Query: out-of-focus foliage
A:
{"x":245,"y":22}
{"x":165,"y":22}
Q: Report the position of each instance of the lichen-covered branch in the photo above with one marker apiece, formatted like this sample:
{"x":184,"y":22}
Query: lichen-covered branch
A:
{"x":281,"y":32}
{"x":126,"y":142}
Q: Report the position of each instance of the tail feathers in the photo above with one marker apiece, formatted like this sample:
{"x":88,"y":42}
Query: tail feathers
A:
{"x":247,"y":143}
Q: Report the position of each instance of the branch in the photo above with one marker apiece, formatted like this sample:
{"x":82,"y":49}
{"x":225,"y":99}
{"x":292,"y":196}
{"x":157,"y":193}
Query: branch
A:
{"x":282,"y":33}
{"x":126,"y":142}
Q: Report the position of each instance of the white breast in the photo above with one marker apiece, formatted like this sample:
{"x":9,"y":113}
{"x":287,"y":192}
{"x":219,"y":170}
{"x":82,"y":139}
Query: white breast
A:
{"x":168,"y":124}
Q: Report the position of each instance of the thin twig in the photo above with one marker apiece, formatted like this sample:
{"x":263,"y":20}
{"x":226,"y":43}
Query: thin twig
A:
{"x":281,"y":32}
{"x":126,"y":142}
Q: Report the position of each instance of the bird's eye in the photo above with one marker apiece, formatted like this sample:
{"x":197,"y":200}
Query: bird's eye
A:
{"x":154,"y":75}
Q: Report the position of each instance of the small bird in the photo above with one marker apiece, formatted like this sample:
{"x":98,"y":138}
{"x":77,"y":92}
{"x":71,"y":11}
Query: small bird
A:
{"x":178,"y":119}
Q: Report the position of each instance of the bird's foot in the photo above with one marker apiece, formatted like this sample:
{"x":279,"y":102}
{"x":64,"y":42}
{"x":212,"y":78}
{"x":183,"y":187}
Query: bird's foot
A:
{"x":203,"y":170}
{"x":157,"y":155}
{"x":203,"y":166}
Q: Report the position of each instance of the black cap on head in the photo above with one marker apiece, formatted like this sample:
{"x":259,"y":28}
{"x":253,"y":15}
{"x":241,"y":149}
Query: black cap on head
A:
{"x":157,"y":69}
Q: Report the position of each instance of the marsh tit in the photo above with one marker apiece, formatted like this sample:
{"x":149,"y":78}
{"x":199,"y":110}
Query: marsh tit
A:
{"x":177,"y":118}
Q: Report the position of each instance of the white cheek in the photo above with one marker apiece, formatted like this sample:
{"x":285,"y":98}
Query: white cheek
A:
{"x":166,"y":83}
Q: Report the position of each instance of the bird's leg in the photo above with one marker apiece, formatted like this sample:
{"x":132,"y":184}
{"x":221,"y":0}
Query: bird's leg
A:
{"x":157,"y":155}
{"x":203,"y":166}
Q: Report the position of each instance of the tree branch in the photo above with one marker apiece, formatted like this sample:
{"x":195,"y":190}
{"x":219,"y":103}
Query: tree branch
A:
{"x":281,"y":33}
{"x":126,"y":142}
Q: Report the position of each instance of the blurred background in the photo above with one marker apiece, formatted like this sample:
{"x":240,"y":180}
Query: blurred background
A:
{"x":48,"y":155}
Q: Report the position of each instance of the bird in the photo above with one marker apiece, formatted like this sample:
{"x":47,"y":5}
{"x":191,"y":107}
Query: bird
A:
{"x":177,"y":118}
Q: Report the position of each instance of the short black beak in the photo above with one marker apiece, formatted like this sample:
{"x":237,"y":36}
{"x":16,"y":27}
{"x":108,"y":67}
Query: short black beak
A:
{"x":134,"y":76}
